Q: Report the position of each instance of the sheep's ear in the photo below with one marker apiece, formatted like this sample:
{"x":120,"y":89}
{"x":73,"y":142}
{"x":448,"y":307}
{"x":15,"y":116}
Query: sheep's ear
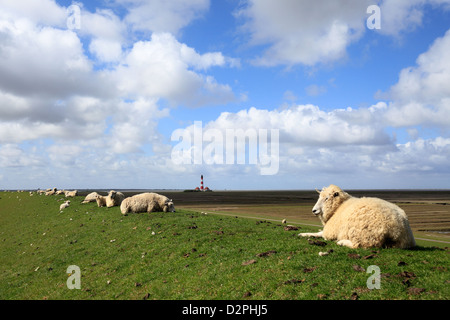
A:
{"x":317,"y":190}
{"x":336,"y":194}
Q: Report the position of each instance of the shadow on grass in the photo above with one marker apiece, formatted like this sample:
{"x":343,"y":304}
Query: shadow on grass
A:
{"x":427,"y":249}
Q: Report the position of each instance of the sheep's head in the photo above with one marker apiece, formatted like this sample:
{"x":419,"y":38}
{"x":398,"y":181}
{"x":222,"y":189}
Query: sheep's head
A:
{"x":168,"y":206}
{"x":330,"y":199}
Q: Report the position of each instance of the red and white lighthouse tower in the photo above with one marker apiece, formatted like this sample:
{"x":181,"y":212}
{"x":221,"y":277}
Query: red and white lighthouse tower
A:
{"x":201,"y":183}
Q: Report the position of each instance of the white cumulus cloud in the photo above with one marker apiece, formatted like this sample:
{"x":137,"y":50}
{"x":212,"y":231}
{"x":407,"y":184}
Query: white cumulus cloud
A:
{"x":422,"y":94}
{"x":161,"y":15}
{"x":309,"y":125}
{"x":402,"y":16}
{"x":303,"y":32}
{"x":166,"y":68}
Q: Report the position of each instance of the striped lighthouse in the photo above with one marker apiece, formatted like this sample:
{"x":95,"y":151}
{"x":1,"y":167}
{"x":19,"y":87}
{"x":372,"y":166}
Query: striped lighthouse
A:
{"x":201,"y":183}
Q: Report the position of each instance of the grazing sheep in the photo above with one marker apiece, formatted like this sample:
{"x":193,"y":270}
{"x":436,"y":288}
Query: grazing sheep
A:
{"x":146,"y":202}
{"x":73,"y":193}
{"x":51,"y":192}
{"x":361,"y":222}
{"x":90,"y":197}
{"x":64,"y":205}
{"x":114,"y":198}
{"x":101,"y":200}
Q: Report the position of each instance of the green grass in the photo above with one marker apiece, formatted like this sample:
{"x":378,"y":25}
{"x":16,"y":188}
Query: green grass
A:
{"x":191,"y":256}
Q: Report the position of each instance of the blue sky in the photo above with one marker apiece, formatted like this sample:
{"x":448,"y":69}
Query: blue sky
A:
{"x":96,"y":105}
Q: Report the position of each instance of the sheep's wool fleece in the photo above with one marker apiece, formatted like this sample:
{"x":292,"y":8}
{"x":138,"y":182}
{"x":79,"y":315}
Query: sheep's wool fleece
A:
{"x":366,"y":222}
{"x":144,"y":202}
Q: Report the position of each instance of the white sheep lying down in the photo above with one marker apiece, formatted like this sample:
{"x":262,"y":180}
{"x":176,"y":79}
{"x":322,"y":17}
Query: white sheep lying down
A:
{"x":361,"y":222}
{"x":50,"y":192}
{"x":64,"y":205}
{"x":73,"y":193}
{"x":146,"y":202}
{"x":114,"y":198}
{"x":90,"y":197}
{"x":101,"y":200}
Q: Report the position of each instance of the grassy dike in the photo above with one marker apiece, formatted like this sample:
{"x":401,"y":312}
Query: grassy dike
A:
{"x":190,"y":255}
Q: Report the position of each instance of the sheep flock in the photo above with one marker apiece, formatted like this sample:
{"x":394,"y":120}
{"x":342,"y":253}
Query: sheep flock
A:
{"x":143,"y":202}
{"x":352,"y":222}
